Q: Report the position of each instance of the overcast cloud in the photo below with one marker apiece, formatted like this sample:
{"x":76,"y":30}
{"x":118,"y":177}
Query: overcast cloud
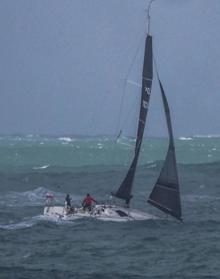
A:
{"x":64,"y":63}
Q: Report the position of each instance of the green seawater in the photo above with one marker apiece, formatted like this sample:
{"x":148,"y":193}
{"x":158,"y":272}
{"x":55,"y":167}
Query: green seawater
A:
{"x":34,"y":247}
{"x":36,"y":151}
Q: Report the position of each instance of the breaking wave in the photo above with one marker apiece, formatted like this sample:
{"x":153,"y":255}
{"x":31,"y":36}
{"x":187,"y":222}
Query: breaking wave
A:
{"x":34,"y":197}
{"x":66,"y":139}
{"x":207,"y":136}
{"x":184,"y":138}
{"x":41,"y":167}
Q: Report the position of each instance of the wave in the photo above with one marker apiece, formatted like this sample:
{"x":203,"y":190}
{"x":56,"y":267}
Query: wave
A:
{"x":20,"y":199}
{"x":20,"y":225}
{"x":184,"y":138}
{"x":34,"y":197}
{"x":207,"y":136}
{"x":32,"y":221}
{"x":41,"y":167}
{"x":66,"y":139}
{"x":100,"y":145}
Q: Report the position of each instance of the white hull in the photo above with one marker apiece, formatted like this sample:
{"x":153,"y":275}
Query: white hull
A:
{"x":100,"y":212}
{"x":60,"y":212}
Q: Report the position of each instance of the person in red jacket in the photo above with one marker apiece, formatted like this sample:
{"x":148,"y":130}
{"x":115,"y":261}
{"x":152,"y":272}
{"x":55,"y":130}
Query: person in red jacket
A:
{"x":87,"y":202}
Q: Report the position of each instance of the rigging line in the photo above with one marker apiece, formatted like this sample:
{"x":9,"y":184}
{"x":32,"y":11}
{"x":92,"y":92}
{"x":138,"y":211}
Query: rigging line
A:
{"x":119,"y":130}
{"x":134,"y":83}
{"x":131,"y":111}
{"x":118,"y":133}
{"x":124,"y":89}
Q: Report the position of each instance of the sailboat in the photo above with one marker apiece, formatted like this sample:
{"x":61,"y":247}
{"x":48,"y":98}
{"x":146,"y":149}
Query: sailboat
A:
{"x":165,"y":195}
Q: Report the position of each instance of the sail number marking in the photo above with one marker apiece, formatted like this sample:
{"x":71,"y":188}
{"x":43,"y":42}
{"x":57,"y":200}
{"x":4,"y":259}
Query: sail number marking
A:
{"x":145,"y":104}
{"x":147,"y":90}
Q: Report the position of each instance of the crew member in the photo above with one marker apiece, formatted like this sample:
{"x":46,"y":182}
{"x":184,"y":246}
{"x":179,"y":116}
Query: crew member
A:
{"x":68,"y":202}
{"x":49,"y":198}
{"x":87,"y":202}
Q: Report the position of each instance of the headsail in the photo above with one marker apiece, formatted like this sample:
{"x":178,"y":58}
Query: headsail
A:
{"x":165,"y":194}
{"x":124,"y":191}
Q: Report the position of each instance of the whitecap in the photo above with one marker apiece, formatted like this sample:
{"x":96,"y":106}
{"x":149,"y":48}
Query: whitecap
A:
{"x":99,"y":145}
{"x":41,"y":167}
{"x":34,"y":197}
{"x":151,"y":166}
{"x":126,"y":144}
{"x":207,"y":136}
{"x":66,"y":139}
{"x":185,"y":138}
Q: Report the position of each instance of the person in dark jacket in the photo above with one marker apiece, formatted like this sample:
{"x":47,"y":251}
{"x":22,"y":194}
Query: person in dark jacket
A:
{"x":87,"y":202}
{"x":68,"y":200}
{"x":69,"y":208}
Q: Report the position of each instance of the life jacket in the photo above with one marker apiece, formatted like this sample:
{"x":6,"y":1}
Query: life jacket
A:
{"x":88,"y":201}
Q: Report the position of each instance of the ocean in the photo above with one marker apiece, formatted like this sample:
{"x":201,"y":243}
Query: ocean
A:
{"x":32,"y":246}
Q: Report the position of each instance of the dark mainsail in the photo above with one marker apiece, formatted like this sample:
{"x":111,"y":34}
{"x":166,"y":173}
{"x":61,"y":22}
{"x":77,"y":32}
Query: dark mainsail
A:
{"x":124,"y":191}
{"x":165,"y":194}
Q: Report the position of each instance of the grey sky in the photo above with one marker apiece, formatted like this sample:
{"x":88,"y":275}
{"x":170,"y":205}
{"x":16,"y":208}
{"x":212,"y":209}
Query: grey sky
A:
{"x":63,"y":64}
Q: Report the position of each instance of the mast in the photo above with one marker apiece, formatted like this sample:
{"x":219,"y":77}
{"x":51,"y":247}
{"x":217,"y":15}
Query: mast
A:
{"x":165,"y":194}
{"x":125,"y":189}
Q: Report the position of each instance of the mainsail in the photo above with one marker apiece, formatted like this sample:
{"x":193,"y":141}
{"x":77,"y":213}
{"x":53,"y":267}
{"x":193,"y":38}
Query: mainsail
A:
{"x":124,"y":191}
{"x":166,"y":194}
